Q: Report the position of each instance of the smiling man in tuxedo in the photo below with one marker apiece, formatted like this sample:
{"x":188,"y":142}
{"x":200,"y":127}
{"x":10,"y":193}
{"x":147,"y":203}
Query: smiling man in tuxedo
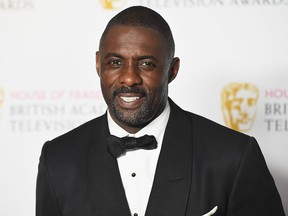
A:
{"x":145,"y":155}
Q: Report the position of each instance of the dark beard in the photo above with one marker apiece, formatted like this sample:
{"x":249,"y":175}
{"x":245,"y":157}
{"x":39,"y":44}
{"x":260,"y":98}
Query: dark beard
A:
{"x":138,"y":119}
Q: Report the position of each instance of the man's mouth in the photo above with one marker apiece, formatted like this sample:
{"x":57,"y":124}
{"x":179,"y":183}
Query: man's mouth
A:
{"x":129,"y":99}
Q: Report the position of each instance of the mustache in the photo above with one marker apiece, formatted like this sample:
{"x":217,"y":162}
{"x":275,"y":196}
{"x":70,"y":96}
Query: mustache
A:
{"x":125,"y":89}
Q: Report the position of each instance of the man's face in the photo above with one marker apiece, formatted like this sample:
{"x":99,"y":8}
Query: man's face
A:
{"x":243,"y":109}
{"x":134,"y":71}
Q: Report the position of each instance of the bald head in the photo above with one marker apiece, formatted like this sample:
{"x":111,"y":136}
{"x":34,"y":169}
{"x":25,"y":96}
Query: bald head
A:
{"x":139,"y":16}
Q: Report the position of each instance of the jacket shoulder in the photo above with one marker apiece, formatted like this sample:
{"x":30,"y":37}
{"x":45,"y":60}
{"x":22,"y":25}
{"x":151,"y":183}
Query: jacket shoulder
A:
{"x":214,"y":130}
{"x":204,"y":128}
{"x":76,"y":141}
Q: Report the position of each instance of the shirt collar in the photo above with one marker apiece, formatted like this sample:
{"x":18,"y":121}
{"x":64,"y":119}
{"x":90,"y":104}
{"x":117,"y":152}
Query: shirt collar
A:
{"x":155,"y":128}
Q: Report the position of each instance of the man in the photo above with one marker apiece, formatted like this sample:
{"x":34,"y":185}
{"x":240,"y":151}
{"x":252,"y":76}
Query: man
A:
{"x":239,"y":102}
{"x":197,"y":168}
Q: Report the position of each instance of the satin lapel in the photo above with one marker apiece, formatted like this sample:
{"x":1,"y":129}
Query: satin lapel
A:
{"x":172,"y":180}
{"x":107,"y":195}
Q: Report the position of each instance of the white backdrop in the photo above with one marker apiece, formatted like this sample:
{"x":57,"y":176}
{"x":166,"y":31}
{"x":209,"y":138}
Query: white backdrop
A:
{"x":48,"y":82}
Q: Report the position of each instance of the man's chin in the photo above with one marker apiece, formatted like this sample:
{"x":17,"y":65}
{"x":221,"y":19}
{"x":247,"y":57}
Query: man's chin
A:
{"x":132,"y":118}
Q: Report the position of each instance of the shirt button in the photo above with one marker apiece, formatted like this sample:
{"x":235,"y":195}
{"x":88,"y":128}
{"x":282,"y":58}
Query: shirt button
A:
{"x":135,"y":214}
{"x":133,"y":175}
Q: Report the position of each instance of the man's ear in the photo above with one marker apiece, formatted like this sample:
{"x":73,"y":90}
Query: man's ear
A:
{"x":174,"y":69}
{"x":98,"y":63}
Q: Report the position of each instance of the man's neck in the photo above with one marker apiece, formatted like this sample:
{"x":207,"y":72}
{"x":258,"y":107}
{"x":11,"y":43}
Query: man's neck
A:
{"x":135,"y":129}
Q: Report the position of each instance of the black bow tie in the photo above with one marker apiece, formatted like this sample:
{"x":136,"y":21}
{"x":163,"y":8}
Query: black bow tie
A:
{"x":118,"y":146}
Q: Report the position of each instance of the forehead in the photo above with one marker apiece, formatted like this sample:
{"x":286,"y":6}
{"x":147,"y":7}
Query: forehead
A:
{"x":132,"y":36}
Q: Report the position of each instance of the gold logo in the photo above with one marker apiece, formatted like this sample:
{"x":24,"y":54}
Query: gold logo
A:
{"x":239,"y":105}
{"x":112,"y":4}
{"x":1,"y":97}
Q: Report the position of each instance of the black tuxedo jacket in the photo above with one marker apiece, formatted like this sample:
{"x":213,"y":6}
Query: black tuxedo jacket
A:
{"x":201,"y":165}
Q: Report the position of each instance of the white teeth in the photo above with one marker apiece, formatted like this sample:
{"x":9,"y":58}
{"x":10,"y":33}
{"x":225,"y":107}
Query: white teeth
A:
{"x":129,"y":99}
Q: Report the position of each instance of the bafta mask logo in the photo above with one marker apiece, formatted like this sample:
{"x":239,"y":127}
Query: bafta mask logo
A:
{"x":1,"y":97}
{"x":239,"y":105}
{"x":112,"y":4}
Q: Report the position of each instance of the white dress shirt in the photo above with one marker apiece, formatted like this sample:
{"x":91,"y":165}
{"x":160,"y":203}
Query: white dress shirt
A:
{"x":137,"y":168}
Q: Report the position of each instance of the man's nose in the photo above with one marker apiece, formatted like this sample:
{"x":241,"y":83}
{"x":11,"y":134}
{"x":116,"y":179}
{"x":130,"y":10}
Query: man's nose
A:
{"x":130,"y":76}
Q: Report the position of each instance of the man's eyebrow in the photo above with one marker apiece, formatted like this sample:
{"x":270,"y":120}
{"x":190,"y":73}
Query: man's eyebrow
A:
{"x":117,"y":55}
{"x":108,"y":55}
{"x":147,"y":57}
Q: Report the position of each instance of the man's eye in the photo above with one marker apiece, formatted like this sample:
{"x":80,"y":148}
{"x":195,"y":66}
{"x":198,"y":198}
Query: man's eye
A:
{"x":115,"y":63}
{"x":146,"y":65}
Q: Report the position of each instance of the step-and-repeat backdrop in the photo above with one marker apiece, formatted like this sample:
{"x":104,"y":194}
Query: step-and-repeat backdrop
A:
{"x":234,"y":70}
